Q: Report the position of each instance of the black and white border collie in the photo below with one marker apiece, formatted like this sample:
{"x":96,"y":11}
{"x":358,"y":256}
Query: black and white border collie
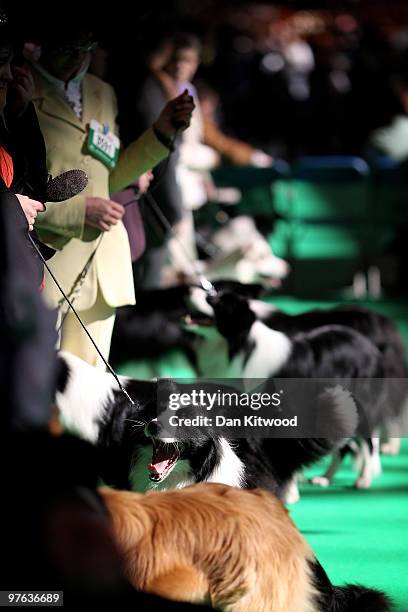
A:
{"x":134,"y":453}
{"x":243,"y":345}
{"x":269,"y":463}
{"x":92,"y":406}
{"x":152,"y":326}
{"x":379,"y":329}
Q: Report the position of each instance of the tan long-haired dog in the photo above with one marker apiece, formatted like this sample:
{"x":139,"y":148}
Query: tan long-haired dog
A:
{"x":235,"y":549}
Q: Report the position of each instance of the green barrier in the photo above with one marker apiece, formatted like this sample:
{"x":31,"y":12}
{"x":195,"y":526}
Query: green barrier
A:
{"x":325,"y":209}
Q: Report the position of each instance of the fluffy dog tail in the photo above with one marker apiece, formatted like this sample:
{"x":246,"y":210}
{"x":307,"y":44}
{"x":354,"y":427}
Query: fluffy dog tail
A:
{"x":347,"y":598}
{"x":353,"y":598}
{"x":337,"y":414}
{"x":336,"y":419}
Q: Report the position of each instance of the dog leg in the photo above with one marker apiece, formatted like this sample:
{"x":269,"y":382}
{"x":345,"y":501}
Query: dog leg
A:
{"x":337,"y":459}
{"x":366,"y":476}
{"x":291,"y":494}
{"x":182,"y":583}
{"x":376,"y":467}
{"x":391,"y":447}
{"x":392,"y":433}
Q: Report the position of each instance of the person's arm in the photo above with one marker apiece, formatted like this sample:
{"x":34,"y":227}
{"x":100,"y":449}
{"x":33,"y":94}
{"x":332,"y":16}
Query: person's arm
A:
{"x":29,"y":156}
{"x":238,"y":152}
{"x":153,"y":145}
{"x":62,"y":221}
{"x":141,"y":155}
{"x":139,"y":109}
{"x":30,"y":164}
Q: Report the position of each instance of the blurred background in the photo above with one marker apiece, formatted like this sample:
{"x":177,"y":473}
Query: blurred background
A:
{"x":322,"y":86}
{"x":293,"y":77}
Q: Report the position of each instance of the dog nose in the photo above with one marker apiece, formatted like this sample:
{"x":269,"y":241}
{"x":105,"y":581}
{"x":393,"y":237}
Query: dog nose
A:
{"x":152,"y":429}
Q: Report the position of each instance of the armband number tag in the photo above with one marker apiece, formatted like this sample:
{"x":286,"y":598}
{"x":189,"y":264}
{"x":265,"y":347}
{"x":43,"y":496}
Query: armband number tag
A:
{"x":103,"y":144}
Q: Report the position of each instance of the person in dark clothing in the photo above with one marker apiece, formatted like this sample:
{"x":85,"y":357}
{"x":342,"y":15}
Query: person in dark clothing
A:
{"x":138,"y":106}
{"x":23,"y":171}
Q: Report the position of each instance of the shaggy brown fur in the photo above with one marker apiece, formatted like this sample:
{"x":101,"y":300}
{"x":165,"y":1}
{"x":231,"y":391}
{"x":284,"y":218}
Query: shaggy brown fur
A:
{"x":235,"y":549}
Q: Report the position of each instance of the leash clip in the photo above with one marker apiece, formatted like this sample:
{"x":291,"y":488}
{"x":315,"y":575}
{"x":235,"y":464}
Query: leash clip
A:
{"x":207,"y":285}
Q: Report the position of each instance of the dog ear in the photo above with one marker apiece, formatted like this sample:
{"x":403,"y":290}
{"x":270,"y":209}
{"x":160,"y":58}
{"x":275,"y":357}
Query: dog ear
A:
{"x":253,"y":291}
{"x":213,"y":300}
{"x":249,"y":290}
{"x":63,"y":373}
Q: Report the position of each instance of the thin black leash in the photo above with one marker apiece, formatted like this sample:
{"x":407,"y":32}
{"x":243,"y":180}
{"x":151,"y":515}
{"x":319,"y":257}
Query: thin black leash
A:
{"x":78,"y":284}
{"x":80,"y":279}
{"x":111,"y":370}
{"x":204,"y":282}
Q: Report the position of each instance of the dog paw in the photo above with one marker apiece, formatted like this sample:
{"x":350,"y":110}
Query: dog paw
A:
{"x":321,"y":481}
{"x":364,"y":482}
{"x":376,"y":466}
{"x":292,"y":495}
{"x":392,"y":447}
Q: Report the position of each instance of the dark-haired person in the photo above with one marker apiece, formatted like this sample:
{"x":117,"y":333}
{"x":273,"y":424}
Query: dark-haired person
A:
{"x":23,"y":172}
{"x":195,"y":158}
{"x":140,"y":100}
{"x":77,"y":113}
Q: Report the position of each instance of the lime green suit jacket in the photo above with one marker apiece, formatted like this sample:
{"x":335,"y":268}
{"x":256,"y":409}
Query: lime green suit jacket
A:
{"x":62,"y":225}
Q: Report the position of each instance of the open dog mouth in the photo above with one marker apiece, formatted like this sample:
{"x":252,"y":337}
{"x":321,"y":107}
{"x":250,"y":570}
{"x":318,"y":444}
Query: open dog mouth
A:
{"x":164,"y":458}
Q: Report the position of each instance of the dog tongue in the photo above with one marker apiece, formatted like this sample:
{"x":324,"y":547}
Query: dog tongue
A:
{"x":161,"y":460}
{"x":158,"y":468}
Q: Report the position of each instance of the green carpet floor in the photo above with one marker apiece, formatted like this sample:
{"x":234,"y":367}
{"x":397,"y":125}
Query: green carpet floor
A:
{"x":361,"y":536}
{"x":358,"y":536}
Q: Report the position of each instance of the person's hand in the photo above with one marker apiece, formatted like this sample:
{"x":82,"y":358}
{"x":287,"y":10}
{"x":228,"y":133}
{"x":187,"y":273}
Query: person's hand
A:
{"x":32,"y":52}
{"x":102,"y":213}
{"x":21,"y":90}
{"x":175,"y":115}
{"x":30,"y":208}
{"x":259,"y":159}
{"x":144,"y":181}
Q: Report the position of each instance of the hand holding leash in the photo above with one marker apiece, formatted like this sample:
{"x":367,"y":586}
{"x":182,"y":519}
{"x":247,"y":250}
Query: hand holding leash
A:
{"x":30,"y":208}
{"x":176,"y":115}
{"x":102,"y":213}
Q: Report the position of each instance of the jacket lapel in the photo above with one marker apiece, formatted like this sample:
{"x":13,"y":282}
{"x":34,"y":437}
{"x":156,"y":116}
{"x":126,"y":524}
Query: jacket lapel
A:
{"x":91,"y":102}
{"x":52,"y":104}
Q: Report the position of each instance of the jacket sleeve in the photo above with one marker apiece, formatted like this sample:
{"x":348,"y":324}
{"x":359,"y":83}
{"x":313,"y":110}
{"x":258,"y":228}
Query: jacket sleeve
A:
{"x":236,"y":151}
{"x":62,"y":221}
{"x":139,"y":156}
